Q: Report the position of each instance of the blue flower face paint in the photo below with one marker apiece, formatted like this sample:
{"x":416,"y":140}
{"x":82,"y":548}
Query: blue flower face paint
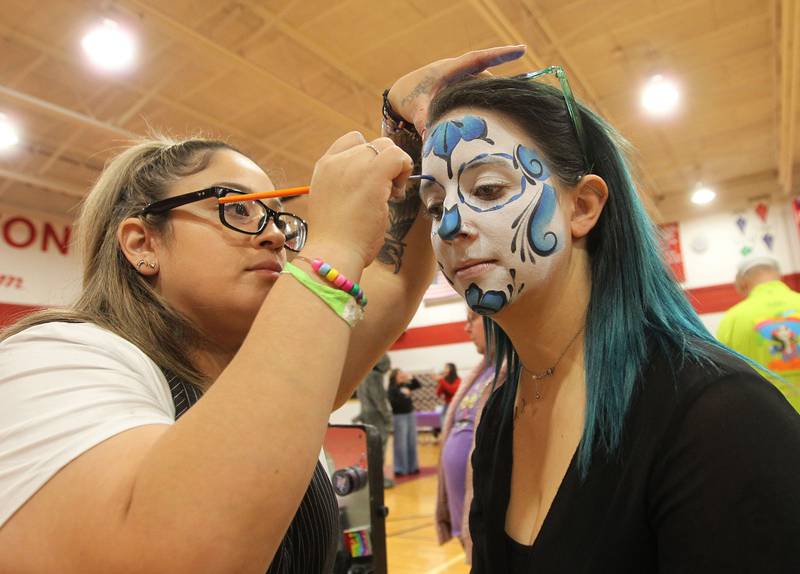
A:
{"x":497,"y":225}
{"x":447,"y":135}
{"x":487,"y":303}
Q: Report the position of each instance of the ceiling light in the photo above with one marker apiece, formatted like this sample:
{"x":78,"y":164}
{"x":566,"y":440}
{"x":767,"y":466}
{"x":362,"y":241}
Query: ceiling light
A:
{"x":660,"y":96}
{"x":703,"y":195}
{"x":109,"y":47}
{"x":9,"y":137}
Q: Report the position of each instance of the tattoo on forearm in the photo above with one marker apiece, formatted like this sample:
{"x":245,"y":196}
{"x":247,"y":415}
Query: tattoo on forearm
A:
{"x":402,"y":215}
{"x":422,"y":88}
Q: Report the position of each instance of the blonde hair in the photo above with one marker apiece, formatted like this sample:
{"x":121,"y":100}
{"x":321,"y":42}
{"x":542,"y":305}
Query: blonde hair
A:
{"x":115,"y":296}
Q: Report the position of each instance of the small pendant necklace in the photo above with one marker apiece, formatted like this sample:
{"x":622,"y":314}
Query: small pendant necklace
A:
{"x":538,"y":377}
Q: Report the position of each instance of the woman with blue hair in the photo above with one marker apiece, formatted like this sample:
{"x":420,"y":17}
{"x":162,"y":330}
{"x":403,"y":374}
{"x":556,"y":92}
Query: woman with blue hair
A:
{"x":625,"y":438}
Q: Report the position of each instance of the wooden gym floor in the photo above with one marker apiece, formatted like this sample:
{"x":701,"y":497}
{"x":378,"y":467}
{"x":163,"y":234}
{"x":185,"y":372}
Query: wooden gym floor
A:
{"x":410,"y":532}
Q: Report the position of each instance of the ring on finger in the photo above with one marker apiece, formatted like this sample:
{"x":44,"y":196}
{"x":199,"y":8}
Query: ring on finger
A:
{"x":373,"y":148}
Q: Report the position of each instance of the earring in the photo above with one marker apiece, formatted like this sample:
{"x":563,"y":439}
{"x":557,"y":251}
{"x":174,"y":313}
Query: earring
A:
{"x":142,"y":262}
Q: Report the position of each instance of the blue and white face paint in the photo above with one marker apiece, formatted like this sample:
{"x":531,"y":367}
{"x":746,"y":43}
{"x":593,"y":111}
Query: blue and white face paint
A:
{"x":496,"y":220}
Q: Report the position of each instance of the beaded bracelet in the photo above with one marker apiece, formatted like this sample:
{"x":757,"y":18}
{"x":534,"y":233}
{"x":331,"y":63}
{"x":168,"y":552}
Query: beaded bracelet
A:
{"x":394,"y":123}
{"x":332,"y":276}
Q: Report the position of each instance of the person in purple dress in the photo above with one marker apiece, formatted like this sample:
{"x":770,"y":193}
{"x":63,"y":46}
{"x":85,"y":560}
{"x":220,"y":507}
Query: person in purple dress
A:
{"x":455,"y":474}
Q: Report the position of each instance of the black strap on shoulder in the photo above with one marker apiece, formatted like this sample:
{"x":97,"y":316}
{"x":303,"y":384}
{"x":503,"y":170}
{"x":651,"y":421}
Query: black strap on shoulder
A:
{"x":184,"y":394}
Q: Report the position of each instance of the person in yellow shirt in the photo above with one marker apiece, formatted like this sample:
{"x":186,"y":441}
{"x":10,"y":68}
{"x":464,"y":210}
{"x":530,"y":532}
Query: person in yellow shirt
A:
{"x":766,"y":325}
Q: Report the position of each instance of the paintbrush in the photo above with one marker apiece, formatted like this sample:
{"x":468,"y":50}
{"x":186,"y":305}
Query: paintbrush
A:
{"x":302,"y":190}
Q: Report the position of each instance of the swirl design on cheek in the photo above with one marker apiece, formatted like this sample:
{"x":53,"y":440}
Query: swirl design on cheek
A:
{"x":446,"y":136}
{"x":543,"y":242}
{"x":451,"y":224}
{"x":540,"y":211}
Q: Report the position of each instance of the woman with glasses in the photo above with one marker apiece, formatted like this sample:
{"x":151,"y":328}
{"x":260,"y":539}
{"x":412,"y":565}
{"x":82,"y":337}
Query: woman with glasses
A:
{"x":625,"y":438}
{"x":189,"y":291}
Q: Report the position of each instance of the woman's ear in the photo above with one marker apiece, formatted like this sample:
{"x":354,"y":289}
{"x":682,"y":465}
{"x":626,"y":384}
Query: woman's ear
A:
{"x":137,"y":243}
{"x":589,"y":197}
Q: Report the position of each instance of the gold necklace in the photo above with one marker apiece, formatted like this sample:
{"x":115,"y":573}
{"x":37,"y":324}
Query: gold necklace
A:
{"x":536,"y":377}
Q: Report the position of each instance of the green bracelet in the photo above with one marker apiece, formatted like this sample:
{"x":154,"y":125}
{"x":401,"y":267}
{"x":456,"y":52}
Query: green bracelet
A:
{"x":342,"y":303}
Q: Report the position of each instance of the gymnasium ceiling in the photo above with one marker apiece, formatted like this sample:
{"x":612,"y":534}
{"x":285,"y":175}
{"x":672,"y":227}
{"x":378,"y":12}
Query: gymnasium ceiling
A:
{"x":282,"y":79}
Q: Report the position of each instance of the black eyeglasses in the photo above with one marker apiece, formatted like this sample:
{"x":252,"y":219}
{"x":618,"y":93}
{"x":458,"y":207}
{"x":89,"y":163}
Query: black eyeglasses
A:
{"x":569,"y":100}
{"x":249,"y":216}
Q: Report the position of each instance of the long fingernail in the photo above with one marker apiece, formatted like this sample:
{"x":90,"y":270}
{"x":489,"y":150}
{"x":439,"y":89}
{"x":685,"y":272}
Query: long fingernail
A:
{"x":505,"y":58}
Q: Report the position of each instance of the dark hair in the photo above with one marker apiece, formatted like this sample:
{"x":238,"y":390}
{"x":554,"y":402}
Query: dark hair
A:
{"x":452,"y":373}
{"x":634,"y":298}
{"x":393,"y":377}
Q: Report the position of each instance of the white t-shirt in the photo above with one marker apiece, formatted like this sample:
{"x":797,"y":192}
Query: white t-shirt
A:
{"x":64,"y":388}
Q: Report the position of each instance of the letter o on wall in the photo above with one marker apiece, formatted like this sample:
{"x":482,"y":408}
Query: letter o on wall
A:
{"x":15,"y":239}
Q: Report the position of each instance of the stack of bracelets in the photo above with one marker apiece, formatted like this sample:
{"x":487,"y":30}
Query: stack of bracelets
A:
{"x":346,"y":297}
{"x":337,"y":279}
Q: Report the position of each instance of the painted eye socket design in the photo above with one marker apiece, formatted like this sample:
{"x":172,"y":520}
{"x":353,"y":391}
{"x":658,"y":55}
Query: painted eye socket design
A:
{"x":488,"y":191}
{"x":492,"y":195}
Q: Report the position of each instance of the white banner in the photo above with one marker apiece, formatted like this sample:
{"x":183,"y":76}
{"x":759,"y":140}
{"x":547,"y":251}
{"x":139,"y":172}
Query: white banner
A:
{"x":39,"y":264}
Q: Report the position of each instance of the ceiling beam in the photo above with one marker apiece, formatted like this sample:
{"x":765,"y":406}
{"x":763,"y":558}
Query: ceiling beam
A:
{"x":291,"y":134}
{"x":409,"y":32}
{"x":501,"y":26}
{"x":192,"y":37}
{"x":43,"y":182}
{"x":26,"y":71}
{"x":203,"y":85}
{"x":588,"y":26}
{"x":61,"y":111}
{"x":257,"y":37}
{"x":61,"y":56}
{"x":62,"y":147}
{"x":732,"y":195}
{"x":789,"y":92}
{"x":322,"y":54}
{"x":760,"y":183}
{"x":146,"y":98}
{"x":140,"y":102}
{"x":66,"y":142}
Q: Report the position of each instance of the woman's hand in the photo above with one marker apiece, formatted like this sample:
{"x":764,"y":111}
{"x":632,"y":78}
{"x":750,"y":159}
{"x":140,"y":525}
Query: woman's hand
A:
{"x":350,"y":187}
{"x":410,"y":95}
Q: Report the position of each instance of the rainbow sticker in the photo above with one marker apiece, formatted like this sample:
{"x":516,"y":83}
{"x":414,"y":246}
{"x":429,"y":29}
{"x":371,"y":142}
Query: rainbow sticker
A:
{"x":357,"y":541}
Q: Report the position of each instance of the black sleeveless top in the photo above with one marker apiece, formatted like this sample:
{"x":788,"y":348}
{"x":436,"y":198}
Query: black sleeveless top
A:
{"x":309,"y":546}
{"x":705,"y":480}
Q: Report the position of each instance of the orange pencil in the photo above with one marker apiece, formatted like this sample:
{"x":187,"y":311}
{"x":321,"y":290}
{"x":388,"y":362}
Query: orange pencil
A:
{"x":302,"y":190}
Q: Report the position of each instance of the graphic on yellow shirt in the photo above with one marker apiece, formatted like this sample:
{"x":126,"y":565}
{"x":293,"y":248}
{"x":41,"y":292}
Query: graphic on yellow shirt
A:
{"x":782,"y":332}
